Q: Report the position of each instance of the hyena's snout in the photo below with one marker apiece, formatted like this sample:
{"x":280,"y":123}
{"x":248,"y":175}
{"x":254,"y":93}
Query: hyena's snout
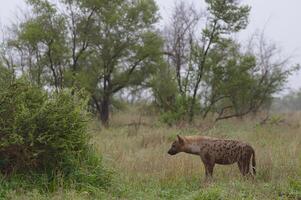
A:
{"x":176,"y":146}
{"x":172,"y":151}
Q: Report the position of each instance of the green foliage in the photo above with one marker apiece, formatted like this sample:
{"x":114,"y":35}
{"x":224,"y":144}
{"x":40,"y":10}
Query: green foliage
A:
{"x":191,"y":55}
{"x":38,"y":131}
{"x":44,"y":142}
{"x":214,"y":70}
{"x":240,"y":84}
{"x":43,"y":37}
{"x":231,"y":16}
{"x":100,"y":46}
{"x":178,"y":111}
{"x":164,"y":88}
{"x":6,"y":77}
{"x":124,"y":50}
{"x":294,"y":189}
{"x":232,"y":83}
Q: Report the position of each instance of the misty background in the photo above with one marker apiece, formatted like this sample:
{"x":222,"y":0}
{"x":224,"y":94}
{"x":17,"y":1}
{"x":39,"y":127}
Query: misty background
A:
{"x":278,"y":20}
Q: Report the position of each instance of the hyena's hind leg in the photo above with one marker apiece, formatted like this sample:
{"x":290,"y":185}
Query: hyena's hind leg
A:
{"x":247,"y":165}
{"x":249,"y":155}
{"x":240,"y":166}
{"x":244,"y":164}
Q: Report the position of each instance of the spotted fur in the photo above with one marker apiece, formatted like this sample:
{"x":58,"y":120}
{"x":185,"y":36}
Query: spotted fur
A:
{"x":216,"y":151}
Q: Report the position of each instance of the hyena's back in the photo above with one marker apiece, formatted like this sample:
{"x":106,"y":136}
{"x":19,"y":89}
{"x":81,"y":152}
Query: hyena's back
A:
{"x":225,"y":151}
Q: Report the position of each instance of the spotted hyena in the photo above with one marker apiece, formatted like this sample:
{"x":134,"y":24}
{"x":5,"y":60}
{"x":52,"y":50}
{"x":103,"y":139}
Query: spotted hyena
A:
{"x":216,"y":151}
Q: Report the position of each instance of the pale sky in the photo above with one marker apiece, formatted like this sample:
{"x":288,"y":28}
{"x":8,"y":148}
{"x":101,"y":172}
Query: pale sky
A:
{"x":278,"y":18}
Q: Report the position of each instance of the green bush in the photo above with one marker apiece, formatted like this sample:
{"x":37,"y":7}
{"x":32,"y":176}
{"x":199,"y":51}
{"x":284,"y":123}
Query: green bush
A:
{"x":44,"y":143}
{"x":6,"y":77}
{"x":179,"y":110}
{"x":177,"y":113}
{"x":40,"y":132}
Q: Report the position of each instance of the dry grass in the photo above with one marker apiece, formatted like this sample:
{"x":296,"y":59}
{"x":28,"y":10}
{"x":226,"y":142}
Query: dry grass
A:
{"x":136,"y":147}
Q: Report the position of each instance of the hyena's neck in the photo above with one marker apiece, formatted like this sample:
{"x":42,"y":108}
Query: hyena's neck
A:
{"x":192,"y":148}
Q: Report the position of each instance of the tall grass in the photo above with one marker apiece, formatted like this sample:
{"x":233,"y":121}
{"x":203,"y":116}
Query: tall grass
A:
{"x":139,"y":155}
{"x":135,"y":149}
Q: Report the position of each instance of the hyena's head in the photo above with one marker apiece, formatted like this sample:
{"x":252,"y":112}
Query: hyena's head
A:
{"x":177,"y":146}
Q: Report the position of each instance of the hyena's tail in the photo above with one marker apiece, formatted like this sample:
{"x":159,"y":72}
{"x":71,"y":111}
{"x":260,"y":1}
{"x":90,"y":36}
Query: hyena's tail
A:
{"x":253,"y":162}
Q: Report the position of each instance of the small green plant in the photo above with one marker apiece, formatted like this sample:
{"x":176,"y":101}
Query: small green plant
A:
{"x":209,"y":194}
{"x":294,"y":188}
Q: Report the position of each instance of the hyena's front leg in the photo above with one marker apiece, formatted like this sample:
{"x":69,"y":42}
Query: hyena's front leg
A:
{"x":210,"y":167}
{"x":208,"y":164}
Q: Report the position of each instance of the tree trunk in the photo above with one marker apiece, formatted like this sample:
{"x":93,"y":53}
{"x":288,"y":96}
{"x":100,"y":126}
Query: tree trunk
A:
{"x":191,"y":110}
{"x":193,"y":100}
{"x":104,"y":112}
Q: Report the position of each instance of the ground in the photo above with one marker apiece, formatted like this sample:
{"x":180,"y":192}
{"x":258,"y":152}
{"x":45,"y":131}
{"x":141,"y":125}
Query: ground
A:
{"x":135,"y":148}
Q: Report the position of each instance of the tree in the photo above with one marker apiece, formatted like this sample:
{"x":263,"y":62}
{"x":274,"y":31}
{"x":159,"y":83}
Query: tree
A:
{"x":178,"y":43}
{"x":40,"y":44}
{"x":244,"y":81}
{"x":101,"y":46}
{"x":214,"y":73}
{"x":189,"y":53}
{"x":164,"y":89}
{"x":125,"y":50}
{"x":224,"y":17}
{"x":79,"y":21}
{"x":6,"y":77}
{"x":229,"y":82}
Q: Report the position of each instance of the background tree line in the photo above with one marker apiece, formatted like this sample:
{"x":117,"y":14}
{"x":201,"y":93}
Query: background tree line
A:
{"x":290,"y":102}
{"x":192,"y":66}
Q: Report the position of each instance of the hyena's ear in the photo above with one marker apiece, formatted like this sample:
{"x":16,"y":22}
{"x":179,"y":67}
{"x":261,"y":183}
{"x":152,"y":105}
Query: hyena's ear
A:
{"x":181,"y":140}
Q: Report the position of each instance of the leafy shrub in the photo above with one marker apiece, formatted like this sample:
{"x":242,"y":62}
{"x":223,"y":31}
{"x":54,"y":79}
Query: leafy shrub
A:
{"x":179,"y":110}
{"x":177,"y":113}
{"x":6,"y":77}
{"x":44,"y":141}
{"x":40,"y":132}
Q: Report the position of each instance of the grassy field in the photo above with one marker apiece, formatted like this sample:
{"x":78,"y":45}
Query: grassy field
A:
{"x":135,"y":148}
